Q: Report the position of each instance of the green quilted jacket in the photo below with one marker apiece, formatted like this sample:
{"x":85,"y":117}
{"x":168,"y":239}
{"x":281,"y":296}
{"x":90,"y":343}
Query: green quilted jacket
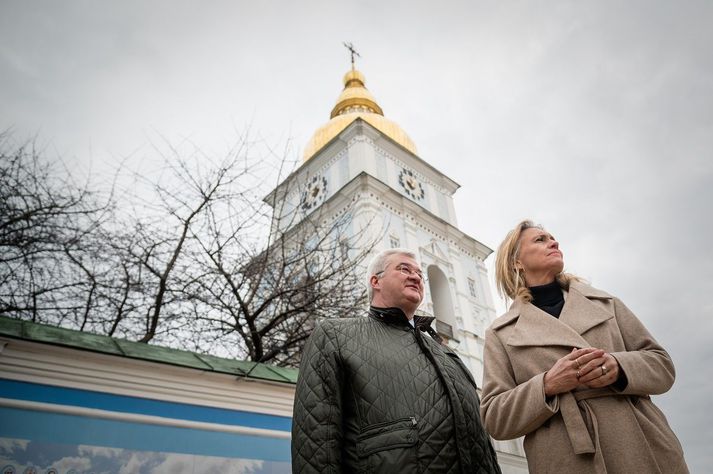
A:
{"x":376,"y":395}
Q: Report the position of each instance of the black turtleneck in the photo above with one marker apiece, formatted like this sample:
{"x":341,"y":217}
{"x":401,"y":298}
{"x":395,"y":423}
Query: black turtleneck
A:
{"x":548,"y":298}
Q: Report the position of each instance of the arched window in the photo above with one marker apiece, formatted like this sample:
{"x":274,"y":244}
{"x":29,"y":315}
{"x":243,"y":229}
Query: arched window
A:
{"x":442,"y":302}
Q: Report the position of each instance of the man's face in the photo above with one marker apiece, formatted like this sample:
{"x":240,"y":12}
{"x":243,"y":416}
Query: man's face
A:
{"x":399,"y":284}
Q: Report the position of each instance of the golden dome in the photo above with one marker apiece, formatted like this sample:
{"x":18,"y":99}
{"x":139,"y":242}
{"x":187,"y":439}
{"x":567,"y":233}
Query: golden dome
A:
{"x":355,"y":102}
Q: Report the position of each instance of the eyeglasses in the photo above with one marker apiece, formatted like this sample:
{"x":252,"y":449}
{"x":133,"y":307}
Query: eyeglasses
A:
{"x":406,"y":270}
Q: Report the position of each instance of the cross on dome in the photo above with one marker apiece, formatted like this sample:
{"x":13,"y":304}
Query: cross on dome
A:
{"x":352,"y":51}
{"x":356,"y":102}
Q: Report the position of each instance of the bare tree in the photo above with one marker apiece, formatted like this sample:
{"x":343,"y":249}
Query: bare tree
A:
{"x":180,"y":255}
{"x":266,"y":301}
{"x":214,"y":276}
{"x":48,"y":249}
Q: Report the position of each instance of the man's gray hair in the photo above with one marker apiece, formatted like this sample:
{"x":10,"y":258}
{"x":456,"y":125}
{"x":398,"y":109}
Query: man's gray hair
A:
{"x":378,"y":263}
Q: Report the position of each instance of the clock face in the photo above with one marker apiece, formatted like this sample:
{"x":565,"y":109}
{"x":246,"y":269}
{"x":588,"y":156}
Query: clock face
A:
{"x":411,"y":185}
{"x":314,"y":192}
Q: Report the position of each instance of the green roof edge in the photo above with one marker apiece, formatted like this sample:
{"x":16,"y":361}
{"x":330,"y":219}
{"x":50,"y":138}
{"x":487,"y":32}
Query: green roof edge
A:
{"x":46,"y":334}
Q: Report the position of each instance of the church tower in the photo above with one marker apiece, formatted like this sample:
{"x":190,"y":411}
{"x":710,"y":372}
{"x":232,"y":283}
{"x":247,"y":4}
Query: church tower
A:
{"x":363,"y":163}
{"x":361,"y":158}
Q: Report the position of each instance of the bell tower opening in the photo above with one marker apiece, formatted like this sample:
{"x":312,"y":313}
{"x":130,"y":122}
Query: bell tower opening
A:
{"x":442,"y":302}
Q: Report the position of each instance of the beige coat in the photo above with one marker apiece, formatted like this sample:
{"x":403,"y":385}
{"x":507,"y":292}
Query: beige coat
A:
{"x":586,"y":430}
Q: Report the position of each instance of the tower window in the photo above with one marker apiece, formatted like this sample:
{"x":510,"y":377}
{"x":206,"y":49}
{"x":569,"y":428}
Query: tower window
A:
{"x":394,"y":242}
{"x":471,"y":287}
{"x":344,"y":249}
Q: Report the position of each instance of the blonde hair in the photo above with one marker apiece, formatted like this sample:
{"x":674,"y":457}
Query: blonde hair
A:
{"x":508,"y":277}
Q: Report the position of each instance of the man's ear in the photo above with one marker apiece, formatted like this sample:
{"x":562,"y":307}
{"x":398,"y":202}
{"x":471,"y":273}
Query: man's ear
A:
{"x":374,"y":282}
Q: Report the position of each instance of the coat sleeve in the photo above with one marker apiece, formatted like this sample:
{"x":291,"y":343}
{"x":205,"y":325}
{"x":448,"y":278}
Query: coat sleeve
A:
{"x":317,"y":416}
{"x":647,"y":366}
{"x":510,"y":410}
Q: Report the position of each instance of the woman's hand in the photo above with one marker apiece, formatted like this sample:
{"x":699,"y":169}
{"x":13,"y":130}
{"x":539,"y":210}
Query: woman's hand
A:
{"x":565,"y":374}
{"x":599,"y":372}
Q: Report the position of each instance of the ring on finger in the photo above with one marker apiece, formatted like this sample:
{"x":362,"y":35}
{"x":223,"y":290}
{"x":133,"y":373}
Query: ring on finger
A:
{"x":577,"y":373}
{"x":579,"y":366}
{"x":604,"y":370}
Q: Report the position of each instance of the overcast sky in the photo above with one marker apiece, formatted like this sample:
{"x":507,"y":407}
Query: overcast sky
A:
{"x":593,"y":118}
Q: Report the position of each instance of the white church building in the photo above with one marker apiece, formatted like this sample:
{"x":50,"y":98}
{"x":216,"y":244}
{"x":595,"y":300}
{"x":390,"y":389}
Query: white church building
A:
{"x":362,"y":162}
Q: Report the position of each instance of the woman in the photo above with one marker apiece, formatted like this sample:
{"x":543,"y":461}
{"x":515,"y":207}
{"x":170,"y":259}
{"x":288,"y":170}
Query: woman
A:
{"x":571,"y":368}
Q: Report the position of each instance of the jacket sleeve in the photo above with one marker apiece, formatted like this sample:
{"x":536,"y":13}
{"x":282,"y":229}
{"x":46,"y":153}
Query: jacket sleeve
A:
{"x":317,"y":416}
{"x":648,"y":367}
{"x":510,"y":410}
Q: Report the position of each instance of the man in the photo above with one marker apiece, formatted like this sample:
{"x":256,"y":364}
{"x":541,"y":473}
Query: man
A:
{"x":375,"y":395}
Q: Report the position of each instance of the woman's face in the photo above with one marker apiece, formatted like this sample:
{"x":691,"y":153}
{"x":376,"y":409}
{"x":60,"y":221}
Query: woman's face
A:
{"x":540,"y":257}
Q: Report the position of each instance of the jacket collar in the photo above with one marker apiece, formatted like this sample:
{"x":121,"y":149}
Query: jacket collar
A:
{"x":534,"y":327}
{"x":397,"y":317}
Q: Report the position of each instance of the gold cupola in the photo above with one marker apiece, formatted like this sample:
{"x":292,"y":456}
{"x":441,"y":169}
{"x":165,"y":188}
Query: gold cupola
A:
{"x":355,"y":102}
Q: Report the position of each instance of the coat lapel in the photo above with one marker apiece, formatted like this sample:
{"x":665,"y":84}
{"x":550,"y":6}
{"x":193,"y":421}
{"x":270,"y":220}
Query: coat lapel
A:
{"x":582,"y":314}
{"x":534,"y":327}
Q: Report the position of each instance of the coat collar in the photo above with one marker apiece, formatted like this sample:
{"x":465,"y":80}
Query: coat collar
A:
{"x":534,"y":327}
{"x":397,"y":317}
